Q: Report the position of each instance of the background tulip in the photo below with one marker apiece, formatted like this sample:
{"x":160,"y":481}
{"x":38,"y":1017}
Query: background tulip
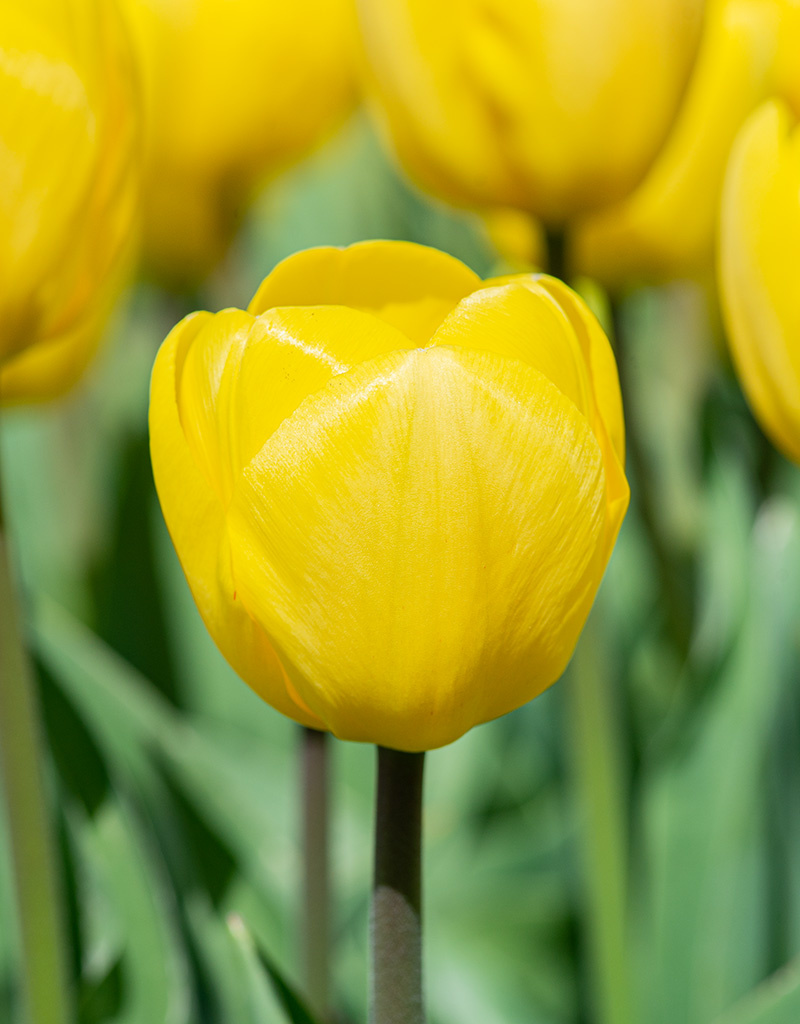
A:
{"x":404,"y":481}
{"x":234,"y":90}
{"x":68,"y":173}
{"x":667,"y":226}
{"x":529,"y":105}
{"x":759,"y":260}
{"x":614,"y":118}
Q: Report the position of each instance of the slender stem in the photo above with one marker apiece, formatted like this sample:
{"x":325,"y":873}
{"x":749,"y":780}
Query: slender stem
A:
{"x":396,"y":924}
{"x":603,"y":837}
{"x":36,"y":887}
{"x":316,"y":887}
{"x":556,"y":253}
{"x":677,"y":600}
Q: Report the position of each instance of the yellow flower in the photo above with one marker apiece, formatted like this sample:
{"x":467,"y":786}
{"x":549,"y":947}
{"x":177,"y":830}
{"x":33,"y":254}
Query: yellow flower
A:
{"x":760,"y":268}
{"x":393,"y":487}
{"x":667,"y":226}
{"x":68,"y":174}
{"x":614,"y":118}
{"x":234,"y":90}
{"x":552,"y":108}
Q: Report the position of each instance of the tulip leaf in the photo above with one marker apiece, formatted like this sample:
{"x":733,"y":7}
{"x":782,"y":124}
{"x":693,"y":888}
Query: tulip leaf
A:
{"x":703,"y":917}
{"x":155,"y":982}
{"x":244,"y":989}
{"x":776,"y":1001}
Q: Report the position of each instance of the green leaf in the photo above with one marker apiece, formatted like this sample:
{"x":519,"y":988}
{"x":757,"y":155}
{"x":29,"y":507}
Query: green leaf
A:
{"x":138,"y":923}
{"x":702,"y":912}
{"x":776,"y":1001}
{"x":243,"y":989}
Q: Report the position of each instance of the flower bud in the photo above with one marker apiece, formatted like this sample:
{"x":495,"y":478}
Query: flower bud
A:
{"x":393,"y":487}
{"x":234,"y":91}
{"x":68,"y":144}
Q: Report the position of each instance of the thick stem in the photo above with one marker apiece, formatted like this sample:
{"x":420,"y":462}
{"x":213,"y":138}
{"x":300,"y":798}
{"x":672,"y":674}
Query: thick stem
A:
{"x":396,"y":923}
{"x":316,"y":882}
{"x":38,"y":899}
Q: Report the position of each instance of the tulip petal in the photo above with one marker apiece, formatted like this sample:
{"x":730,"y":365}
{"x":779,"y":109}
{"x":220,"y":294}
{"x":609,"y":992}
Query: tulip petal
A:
{"x":540,"y":321}
{"x":422,"y":540}
{"x":410,"y":287}
{"x":759,"y":259}
{"x":196,"y":521}
{"x":243,"y":375}
{"x":519,"y":319}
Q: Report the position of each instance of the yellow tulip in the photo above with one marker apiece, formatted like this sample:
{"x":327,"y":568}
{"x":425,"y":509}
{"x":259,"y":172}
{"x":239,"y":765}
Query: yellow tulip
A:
{"x":551,"y":108}
{"x":393,"y":487}
{"x":760,"y":267}
{"x":667,"y":226}
{"x":234,"y":90}
{"x":612,"y":118}
{"x":68,"y":176}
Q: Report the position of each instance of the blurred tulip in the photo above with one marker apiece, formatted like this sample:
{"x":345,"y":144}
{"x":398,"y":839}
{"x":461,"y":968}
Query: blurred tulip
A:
{"x":234,"y":91}
{"x":552,"y":108}
{"x":667,"y":226}
{"x":393,"y":487}
{"x":68,"y":177}
{"x":760,"y":266}
{"x":612,"y":118}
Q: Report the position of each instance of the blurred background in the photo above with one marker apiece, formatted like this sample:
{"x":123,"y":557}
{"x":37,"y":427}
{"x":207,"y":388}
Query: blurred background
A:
{"x":624,"y":849}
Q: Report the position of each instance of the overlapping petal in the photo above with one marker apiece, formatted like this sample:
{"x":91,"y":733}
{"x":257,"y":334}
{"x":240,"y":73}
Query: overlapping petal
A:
{"x":197,"y":523}
{"x":409,"y":286}
{"x":420,"y":539}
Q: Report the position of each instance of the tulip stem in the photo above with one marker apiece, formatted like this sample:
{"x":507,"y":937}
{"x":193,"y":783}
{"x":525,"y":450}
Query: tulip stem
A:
{"x":43,"y":962}
{"x":557,"y":254}
{"x":396,"y":922}
{"x":316,"y":882}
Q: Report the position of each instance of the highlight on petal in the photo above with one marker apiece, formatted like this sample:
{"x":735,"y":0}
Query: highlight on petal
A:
{"x":422,"y":540}
{"x":409,"y":286}
{"x":197,"y":524}
{"x":758,"y":260}
{"x":243,"y":375}
{"x":540,"y":321}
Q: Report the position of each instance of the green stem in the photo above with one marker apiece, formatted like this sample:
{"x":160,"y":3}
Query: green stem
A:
{"x":556,"y":253}
{"x":43,"y":955}
{"x":396,"y":922}
{"x":316,"y":887}
{"x":603,"y":839}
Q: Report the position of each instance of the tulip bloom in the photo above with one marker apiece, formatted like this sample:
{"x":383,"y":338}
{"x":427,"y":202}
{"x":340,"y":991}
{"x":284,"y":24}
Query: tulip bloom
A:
{"x":759,"y":261}
{"x":68,"y":186}
{"x":393,"y":487}
{"x":612,"y":118}
{"x":234,"y":91}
